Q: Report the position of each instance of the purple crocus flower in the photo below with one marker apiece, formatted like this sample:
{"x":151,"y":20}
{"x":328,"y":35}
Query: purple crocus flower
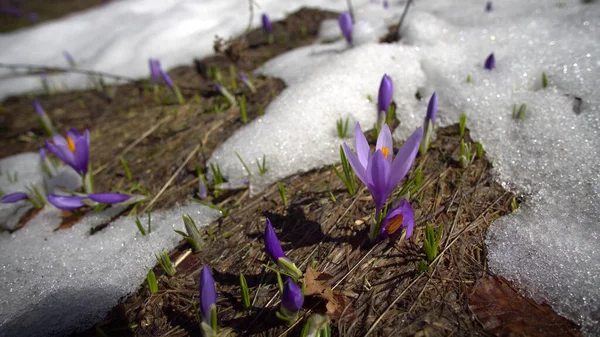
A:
{"x":69,"y":203}
{"x":345,"y":21}
{"x":386,"y":90}
{"x":73,"y":150}
{"x":14,"y":197}
{"x":401,"y":216}
{"x":38,"y":108}
{"x":432,"y":108}
{"x":247,"y":82}
{"x":266,"y":22}
{"x":490,"y":62}
{"x":291,"y":296}
{"x":377,"y":170}
{"x":488,"y":6}
{"x":272,"y":245}
{"x":168,"y":81}
{"x":208,"y":294}
{"x":154,"y":70}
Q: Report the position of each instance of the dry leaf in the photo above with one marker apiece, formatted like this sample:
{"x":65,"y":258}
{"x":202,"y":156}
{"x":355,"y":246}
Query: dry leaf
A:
{"x":316,"y":284}
{"x":503,"y":312}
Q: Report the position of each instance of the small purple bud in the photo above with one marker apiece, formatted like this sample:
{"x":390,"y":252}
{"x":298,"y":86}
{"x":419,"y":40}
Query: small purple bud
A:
{"x":109,"y":198}
{"x":168,"y":81}
{"x":208,"y":293}
{"x":69,"y":58}
{"x":267,"y":24}
{"x":14,"y":197}
{"x":202,"y":193}
{"x":243,"y":77}
{"x":38,"y":108}
{"x":219,"y":87}
{"x":386,"y":90}
{"x":345,"y":21}
{"x":272,"y":245}
{"x":386,"y":4}
{"x":43,"y":154}
{"x":432,"y":108}
{"x":33,"y":17}
{"x":291,"y":296}
{"x":154,"y":70}
{"x":488,"y":6}
{"x":490,"y":62}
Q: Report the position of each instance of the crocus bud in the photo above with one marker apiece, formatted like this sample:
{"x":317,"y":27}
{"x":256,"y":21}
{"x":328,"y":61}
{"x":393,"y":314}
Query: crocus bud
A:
{"x":266,"y":22}
{"x":168,"y":80}
{"x":247,"y":82}
{"x":488,"y":6}
{"x":44,"y":119}
{"x":208,"y":302}
{"x":386,"y":90}
{"x":154,"y":70}
{"x":291,"y":301}
{"x":429,"y":123}
{"x":345,"y":21}
{"x":38,"y":108}
{"x":43,"y":154}
{"x":14,"y":197}
{"x":70,"y":59}
{"x":490,"y":62}
{"x":276,"y":253}
{"x":432,"y":108}
{"x":230,"y":98}
{"x":386,"y":4}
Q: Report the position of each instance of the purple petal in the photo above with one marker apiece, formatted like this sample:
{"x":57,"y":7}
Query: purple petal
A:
{"x":432,"y":108}
{"x":38,"y":108}
{"x":267,"y":24}
{"x":386,"y":90}
{"x":359,"y":169}
{"x":291,"y":296}
{"x":74,"y":134}
{"x":61,"y":151}
{"x":405,"y":157}
{"x":490,"y":62}
{"x":362,"y":146}
{"x":208,"y":293}
{"x":68,"y":203}
{"x":82,"y":153}
{"x":14,"y":197}
{"x":378,"y":171}
{"x":109,"y":198}
{"x":154,"y":70}
{"x":345,"y":21}
{"x":272,"y":245}
{"x":384,"y":140}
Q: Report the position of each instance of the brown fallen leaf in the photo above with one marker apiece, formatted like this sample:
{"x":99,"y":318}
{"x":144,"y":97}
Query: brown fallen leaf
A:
{"x":315,"y":283}
{"x":503,"y":312}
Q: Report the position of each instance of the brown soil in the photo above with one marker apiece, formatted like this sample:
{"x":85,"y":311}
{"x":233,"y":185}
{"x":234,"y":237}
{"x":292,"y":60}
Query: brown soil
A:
{"x":379,"y":289}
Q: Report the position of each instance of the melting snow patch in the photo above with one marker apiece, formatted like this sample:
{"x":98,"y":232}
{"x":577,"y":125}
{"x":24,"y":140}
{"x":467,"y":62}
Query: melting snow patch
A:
{"x":55,"y":282}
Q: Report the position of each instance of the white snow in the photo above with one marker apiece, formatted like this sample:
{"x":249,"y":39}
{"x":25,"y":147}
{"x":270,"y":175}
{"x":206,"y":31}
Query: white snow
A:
{"x":119,"y":37}
{"x":549,"y":246}
{"x":54,"y":282}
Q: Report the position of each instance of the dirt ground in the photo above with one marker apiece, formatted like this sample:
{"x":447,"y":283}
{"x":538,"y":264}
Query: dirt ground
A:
{"x":378,"y":289}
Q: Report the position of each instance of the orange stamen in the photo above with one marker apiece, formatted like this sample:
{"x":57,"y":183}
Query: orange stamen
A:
{"x":71,"y":144}
{"x":394,"y":224}
{"x":385,"y":151}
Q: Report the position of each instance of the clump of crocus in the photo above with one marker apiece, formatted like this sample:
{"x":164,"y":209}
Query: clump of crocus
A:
{"x":208,"y":303}
{"x":490,"y":62}
{"x":230,"y":98}
{"x":44,"y":119}
{"x":345,"y":21}
{"x":266,"y":22}
{"x":488,"y":6}
{"x":73,"y":202}
{"x":379,"y":171}
{"x":247,"y":82}
{"x":429,"y":123}
{"x":276,"y":254}
{"x":384,"y":99}
{"x":291,"y":301}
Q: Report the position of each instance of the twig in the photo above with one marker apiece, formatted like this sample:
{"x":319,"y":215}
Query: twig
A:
{"x":189,"y":157}
{"x":408,"y":3}
{"x":351,"y":10}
